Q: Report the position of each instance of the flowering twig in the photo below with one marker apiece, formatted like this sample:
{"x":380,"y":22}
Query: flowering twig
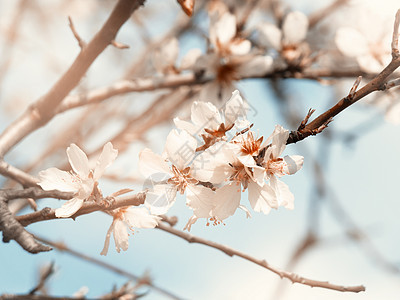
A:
{"x":294,"y":278}
{"x":88,"y":207}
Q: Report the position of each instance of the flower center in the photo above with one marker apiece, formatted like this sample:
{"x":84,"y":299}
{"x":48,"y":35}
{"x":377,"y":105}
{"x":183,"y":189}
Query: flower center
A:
{"x":250,"y":146}
{"x":240,"y":176}
{"x":181,"y":178}
{"x":276,"y":166}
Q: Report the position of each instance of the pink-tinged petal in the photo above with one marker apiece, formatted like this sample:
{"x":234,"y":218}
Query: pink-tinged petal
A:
{"x":227,"y":201}
{"x":106,"y":158}
{"x":262,"y":198}
{"x":239,"y":46}
{"x":351,"y":42}
{"x":190,"y":222}
{"x":295,"y":27}
{"x":279,"y":138}
{"x":121,"y":236}
{"x":244,"y":208}
{"x":201,"y":200}
{"x":160,"y":199}
{"x":257,"y":66}
{"x":259,"y":175}
{"x":180,"y":148}
{"x":55,"y":179}
{"x":270,"y":36}
{"x":69,"y":208}
{"x":369,"y":64}
{"x":107,"y":240}
{"x":283,"y":194}
{"x":205,"y":115}
{"x":216,"y":92}
{"x":294,"y":163}
{"x":78,"y":161}
{"x":151,"y":163}
{"x":235,"y":109}
{"x":223,"y":30}
{"x":139,"y":217}
{"x":213,"y":164}
{"x":189,"y":127}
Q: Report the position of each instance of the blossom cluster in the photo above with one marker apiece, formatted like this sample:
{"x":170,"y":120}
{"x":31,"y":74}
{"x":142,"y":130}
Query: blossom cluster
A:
{"x":214,"y":159}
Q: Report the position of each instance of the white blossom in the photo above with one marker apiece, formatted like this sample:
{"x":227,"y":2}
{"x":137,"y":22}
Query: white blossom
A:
{"x":124,"y":219}
{"x":82,"y":181}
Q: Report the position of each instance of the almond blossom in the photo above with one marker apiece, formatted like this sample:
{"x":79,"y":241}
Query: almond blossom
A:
{"x":168,"y":179}
{"x":229,"y":59}
{"x":210,"y":124}
{"x":82,"y":181}
{"x":289,"y":40}
{"x":127,"y":218}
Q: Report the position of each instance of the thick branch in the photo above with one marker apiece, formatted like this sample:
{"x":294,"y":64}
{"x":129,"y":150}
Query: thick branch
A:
{"x":261,"y":262}
{"x":12,"y":230}
{"x":39,"y":113}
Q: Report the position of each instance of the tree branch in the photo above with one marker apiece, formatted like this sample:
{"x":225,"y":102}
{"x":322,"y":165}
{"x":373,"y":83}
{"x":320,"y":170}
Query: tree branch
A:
{"x":44,"y":109}
{"x":294,"y":278}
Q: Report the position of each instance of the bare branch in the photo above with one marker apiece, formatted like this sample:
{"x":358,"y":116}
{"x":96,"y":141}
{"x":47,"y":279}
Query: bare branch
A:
{"x":81,"y":43}
{"x":294,"y":278}
{"x":44,"y":109}
{"x":18,"y":175}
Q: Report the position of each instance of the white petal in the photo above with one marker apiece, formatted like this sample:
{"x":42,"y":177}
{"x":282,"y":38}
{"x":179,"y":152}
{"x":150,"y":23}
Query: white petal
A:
{"x":160,"y":199}
{"x":180,"y":148}
{"x":139,"y":217}
{"x":205,"y":115}
{"x":239,"y":46}
{"x":227,"y":201}
{"x":190,"y":222}
{"x":279,"y":138}
{"x":393,"y":114}
{"x":351,"y":42}
{"x":213,"y":164}
{"x":78,"y":161}
{"x":235,"y":109}
{"x":69,"y":208}
{"x":55,"y":179}
{"x":295,"y":27}
{"x":369,"y":64}
{"x":106,"y":158}
{"x":244,"y":208}
{"x":189,"y":127}
{"x":262,"y":198}
{"x":270,"y":36}
{"x":201,"y":200}
{"x":294,"y":163}
{"x":283,"y":194}
{"x":257,"y":66}
{"x":107,"y":240}
{"x":120,"y":236}
{"x":151,"y":164}
{"x":223,"y":30}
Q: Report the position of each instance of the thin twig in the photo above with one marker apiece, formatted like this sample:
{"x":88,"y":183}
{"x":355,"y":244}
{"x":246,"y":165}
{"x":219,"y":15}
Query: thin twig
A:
{"x":81,"y":43}
{"x":294,"y":278}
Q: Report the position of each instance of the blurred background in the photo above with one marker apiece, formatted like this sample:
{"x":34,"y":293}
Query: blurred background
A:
{"x":345,"y":226}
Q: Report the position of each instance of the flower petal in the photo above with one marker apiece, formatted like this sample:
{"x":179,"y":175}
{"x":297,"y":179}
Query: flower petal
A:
{"x":227,"y":201}
{"x":239,"y":46}
{"x":294,"y":163}
{"x":55,"y":179}
{"x":151,"y":164}
{"x":139,"y":217}
{"x":160,"y":199}
{"x":201,"y":200}
{"x":223,"y":30}
{"x":120,"y":236}
{"x":235,"y":109}
{"x":107,"y":240}
{"x":106,"y":158}
{"x":257,"y":66}
{"x":69,"y":208}
{"x":185,"y":125}
{"x":284,"y":196}
{"x":270,"y":36}
{"x":351,"y":42}
{"x":205,"y":115}
{"x":78,"y":161}
{"x":180,"y":148}
{"x":295,"y":27}
{"x":262,"y":198}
